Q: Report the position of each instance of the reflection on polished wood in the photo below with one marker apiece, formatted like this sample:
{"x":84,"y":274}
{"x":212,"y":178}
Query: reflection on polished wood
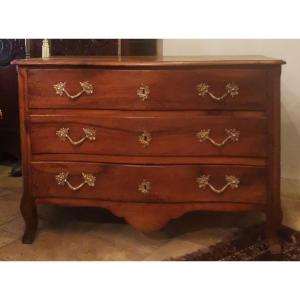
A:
{"x":180,"y":149}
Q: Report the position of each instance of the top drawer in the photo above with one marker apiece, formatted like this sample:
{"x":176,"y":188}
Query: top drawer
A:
{"x":173,"y":89}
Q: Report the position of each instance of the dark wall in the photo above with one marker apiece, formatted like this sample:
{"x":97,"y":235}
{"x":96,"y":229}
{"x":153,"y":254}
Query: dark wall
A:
{"x":9,"y":122}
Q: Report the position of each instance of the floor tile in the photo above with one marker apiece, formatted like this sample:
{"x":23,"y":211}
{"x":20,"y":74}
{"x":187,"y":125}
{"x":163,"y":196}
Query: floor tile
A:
{"x":11,"y":183}
{"x":16,"y":226}
{"x":6,"y":238}
{"x":291,"y":213}
{"x":124,"y":236}
{"x":9,"y":207}
{"x":172,"y":249}
{"x":56,"y":245}
{"x":207,"y":237}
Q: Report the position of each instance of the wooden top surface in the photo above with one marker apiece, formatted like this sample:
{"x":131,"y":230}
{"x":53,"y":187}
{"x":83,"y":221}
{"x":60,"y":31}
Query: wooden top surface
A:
{"x":124,"y":61}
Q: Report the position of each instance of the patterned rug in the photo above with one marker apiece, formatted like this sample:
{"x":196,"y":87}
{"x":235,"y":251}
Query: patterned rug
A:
{"x":249,"y":245}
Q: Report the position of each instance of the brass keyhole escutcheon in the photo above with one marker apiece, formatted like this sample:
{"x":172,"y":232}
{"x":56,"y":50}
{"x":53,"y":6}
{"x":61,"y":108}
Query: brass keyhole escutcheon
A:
{"x":143,"y":92}
{"x":145,"y":138}
{"x":144,"y":187}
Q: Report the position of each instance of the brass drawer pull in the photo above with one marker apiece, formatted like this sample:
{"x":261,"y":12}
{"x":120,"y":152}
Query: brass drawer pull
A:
{"x":143,"y":92}
{"x":86,"y":87}
{"x":232,"y":182}
{"x":63,"y":134}
{"x":144,"y":187}
{"x":232,"y":89}
{"x":232,"y":135}
{"x":62,"y":179}
{"x":145,"y":138}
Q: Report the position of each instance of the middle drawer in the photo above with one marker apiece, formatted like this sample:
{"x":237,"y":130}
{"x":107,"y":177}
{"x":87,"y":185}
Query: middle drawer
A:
{"x":150,"y":134}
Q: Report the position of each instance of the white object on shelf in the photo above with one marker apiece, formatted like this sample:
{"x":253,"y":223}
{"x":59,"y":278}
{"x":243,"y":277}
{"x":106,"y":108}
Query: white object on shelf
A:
{"x":45,"y":49}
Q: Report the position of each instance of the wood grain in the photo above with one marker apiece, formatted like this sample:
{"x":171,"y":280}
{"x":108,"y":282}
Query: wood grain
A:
{"x":168,"y":183}
{"x":172,"y":134}
{"x":27,"y":206}
{"x":153,"y":61}
{"x":169,"y":89}
{"x":152,"y":160}
{"x":173,"y":114}
{"x":274,"y":213}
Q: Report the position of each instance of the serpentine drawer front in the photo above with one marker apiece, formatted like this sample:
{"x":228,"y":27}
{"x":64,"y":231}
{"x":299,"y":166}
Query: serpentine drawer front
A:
{"x":151,"y":138}
{"x":151,"y":134}
{"x":140,"y":183}
{"x":148,"y":89}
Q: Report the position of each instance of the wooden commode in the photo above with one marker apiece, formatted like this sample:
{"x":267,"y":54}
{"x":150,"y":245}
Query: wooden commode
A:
{"x":151,"y":138}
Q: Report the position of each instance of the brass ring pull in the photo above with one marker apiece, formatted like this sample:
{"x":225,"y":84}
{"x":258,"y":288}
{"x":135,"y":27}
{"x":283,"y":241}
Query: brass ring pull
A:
{"x":143,"y":92}
{"x":62,"y":179}
{"x":87,"y":88}
{"x":63,"y":134}
{"x":232,"y":182}
{"x":144,"y":187}
{"x":232,"y":89}
{"x":232,"y":135}
{"x":145,"y":138}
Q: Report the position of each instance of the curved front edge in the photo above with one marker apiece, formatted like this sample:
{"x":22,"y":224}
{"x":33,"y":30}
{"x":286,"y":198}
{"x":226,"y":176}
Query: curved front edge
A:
{"x":147,"y":217}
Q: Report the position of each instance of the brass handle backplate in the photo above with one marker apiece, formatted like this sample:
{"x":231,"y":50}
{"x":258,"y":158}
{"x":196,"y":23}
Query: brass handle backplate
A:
{"x":63,"y":134}
{"x":86,"y":88}
{"x":62,"y":179}
{"x":232,"y":135}
{"x":144,"y":187}
{"x":231,"y":181}
{"x":143,"y":92}
{"x":145,"y":138}
{"x":232,"y":90}
{"x":1,"y":114}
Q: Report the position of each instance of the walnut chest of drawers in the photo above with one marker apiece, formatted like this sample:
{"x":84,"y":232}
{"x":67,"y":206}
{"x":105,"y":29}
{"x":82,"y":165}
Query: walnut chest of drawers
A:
{"x":150,"y":138}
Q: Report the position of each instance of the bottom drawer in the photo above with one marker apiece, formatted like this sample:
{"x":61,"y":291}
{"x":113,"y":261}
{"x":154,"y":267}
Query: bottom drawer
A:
{"x":141,"y":183}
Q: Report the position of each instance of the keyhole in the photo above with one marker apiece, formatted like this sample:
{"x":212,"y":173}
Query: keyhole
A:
{"x":144,"y":187}
{"x":145,"y":139}
{"x":144,"y":92}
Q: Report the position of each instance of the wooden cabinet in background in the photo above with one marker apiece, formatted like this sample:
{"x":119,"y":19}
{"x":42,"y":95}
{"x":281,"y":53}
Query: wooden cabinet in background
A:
{"x":96,"y":47}
{"x":9,"y":115}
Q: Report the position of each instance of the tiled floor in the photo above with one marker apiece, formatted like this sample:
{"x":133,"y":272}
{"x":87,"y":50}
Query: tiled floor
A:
{"x":95,"y":234}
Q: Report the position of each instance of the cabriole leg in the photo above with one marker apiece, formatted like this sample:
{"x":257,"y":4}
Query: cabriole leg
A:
{"x":273,"y":226}
{"x":29,"y":213}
